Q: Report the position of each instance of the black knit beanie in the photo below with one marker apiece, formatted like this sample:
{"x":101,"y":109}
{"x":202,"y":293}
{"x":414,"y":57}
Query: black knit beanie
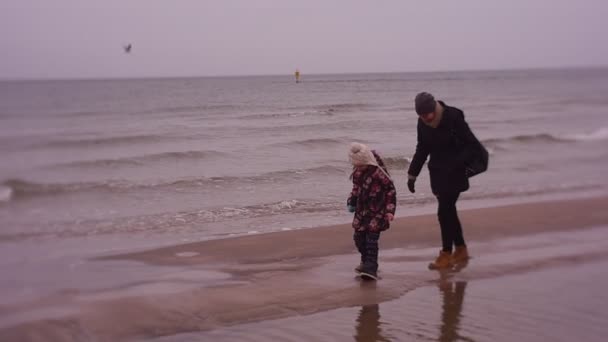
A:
{"x":425,"y":103}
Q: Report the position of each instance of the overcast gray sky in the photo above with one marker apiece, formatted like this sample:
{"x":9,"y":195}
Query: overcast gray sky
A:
{"x":84,"y":38}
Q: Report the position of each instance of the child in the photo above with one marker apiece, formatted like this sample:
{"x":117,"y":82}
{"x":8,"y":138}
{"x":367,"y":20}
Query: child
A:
{"x":373,"y":200}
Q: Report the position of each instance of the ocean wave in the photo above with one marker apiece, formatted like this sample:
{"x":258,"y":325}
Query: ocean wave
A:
{"x":185,"y":109}
{"x":530,"y":138}
{"x":359,"y":80}
{"x":501,"y":194}
{"x":288,"y":114}
{"x":397,"y":162}
{"x":183,"y":221}
{"x":315,"y":142}
{"x":142,"y":160}
{"x":15,"y":189}
{"x":179,"y":155}
{"x":600,"y":134}
{"x":21,"y":188}
{"x":319,"y":110}
{"x":265,"y":178}
{"x":107,"y":141}
{"x":399,"y":109}
{"x":515,"y":192}
{"x":167,"y":222}
{"x":317,"y":127}
{"x":85,"y":113}
{"x":100,"y":163}
{"x":196,"y":108}
{"x":344,"y":107}
{"x":6,"y":193}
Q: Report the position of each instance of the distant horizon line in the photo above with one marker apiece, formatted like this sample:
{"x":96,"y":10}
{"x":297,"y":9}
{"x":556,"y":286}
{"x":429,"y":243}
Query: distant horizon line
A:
{"x":112,"y":78}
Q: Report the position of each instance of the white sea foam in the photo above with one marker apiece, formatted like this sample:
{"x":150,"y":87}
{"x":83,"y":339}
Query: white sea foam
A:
{"x":186,"y":254}
{"x":600,"y":134}
{"x":5,"y":193}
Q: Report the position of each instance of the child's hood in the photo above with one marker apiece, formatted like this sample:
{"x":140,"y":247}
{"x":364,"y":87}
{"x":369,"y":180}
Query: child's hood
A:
{"x":361,"y":154}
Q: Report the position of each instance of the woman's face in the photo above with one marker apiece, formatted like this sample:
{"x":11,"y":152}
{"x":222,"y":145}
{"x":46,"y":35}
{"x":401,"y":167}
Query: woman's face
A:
{"x":428,"y":117}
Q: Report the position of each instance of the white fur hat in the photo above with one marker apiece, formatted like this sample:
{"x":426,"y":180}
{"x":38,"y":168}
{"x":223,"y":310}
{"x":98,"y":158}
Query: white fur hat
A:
{"x":361,"y":154}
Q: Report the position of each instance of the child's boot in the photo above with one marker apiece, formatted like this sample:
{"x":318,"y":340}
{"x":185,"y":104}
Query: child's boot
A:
{"x":359,"y":238}
{"x":370,"y":258}
{"x":369,"y":271}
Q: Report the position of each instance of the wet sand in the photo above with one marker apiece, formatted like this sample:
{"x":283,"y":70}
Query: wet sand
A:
{"x":562,"y":303}
{"x":536,"y":268}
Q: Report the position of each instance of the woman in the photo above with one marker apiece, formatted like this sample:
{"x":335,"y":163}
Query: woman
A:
{"x":444,"y":135}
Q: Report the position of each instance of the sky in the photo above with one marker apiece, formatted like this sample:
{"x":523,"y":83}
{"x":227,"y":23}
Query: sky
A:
{"x":85,"y":38}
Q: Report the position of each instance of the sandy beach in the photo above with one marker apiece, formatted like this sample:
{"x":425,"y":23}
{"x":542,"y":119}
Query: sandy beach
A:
{"x":536,"y":274}
{"x":178,"y":171}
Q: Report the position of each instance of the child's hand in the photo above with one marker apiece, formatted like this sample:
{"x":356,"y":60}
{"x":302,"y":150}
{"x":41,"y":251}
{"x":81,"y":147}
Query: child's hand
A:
{"x":351,"y":208}
{"x":389,"y":217}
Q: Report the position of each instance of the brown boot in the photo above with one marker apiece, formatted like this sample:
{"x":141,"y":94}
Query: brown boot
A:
{"x":460,"y":255}
{"x":444,"y":260}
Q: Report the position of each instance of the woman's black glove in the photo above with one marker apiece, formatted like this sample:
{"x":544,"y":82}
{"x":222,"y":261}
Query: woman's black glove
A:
{"x":410,"y":185}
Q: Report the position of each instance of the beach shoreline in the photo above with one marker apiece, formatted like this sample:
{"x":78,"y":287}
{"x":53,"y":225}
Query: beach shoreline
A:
{"x":413,"y":231}
{"x":210,"y":285}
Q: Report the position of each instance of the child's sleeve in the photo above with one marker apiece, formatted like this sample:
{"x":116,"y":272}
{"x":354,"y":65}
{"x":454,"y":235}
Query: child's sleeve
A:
{"x":352,"y":197}
{"x":391,"y":199}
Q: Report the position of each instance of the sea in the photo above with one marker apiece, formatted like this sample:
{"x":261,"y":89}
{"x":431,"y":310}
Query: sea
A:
{"x":90,"y":167}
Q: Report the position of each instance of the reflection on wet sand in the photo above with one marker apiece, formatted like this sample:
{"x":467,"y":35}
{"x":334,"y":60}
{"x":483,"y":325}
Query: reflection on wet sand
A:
{"x":452,"y":294}
{"x":368,"y":325}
